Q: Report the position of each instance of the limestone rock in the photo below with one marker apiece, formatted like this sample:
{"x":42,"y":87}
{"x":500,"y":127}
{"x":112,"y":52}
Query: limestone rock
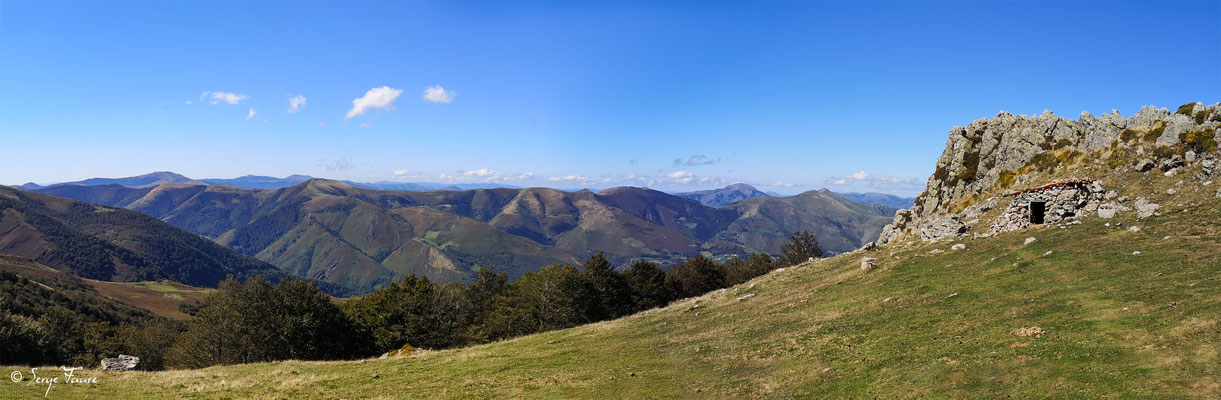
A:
{"x":1030,"y":240}
{"x":121,"y":363}
{"x":1172,"y":163}
{"x":1107,"y":210}
{"x":958,"y":246}
{"x":867,"y":263}
{"x":1145,"y":209}
{"x":1143,"y":165}
{"x":945,"y":228}
{"x":978,"y":155}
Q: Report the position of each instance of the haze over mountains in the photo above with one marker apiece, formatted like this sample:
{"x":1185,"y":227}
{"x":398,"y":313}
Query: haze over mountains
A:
{"x":359,"y":238}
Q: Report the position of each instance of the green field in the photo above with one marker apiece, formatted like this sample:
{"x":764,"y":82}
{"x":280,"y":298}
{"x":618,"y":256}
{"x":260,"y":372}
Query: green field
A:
{"x":1110,"y":324}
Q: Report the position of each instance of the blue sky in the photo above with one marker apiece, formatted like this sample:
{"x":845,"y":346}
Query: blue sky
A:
{"x":788,"y":96}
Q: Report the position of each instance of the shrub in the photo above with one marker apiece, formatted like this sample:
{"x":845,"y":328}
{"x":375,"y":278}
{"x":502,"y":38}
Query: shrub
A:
{"x":1156,"y":132}
{"x":1006,"y":179}
{"x":1201,"y":141}
{"x":1062,"y":143}
{"x":1201,"y":116}
{"x":1186,"y":109}
{"x":1128,"y":134}
{"x":1163,"y":152}
{"x":1043,"y":162}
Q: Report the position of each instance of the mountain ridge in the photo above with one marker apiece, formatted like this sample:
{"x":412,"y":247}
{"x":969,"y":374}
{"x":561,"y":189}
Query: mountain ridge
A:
{"x":356,"y":237}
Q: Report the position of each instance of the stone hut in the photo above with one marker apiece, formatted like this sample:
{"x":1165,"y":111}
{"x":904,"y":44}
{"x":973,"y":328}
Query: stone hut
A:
{"x":1050,"y":203}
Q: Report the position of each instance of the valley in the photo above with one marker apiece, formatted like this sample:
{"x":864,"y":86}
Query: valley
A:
{"x":360,"y":238}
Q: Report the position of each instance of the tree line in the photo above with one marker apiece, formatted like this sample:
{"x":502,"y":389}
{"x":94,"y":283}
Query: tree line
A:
{"x":258,"y":321}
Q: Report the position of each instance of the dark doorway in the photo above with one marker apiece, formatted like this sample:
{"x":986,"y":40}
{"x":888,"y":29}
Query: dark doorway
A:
{"x":1037,"y":209}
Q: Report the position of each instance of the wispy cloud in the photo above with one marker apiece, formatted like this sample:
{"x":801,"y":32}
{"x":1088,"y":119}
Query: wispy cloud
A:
{"x":251,"y":114}
{"x":295,"y":104}
{"x":568,"y":178}
{"x":698,"y":159}
{"x":874,"y":181}
{"x":222,"y":97}
{"x":475,"y":175}
{"x":366,"y":125}
{"x":437,"y":94}
{"x":379,"y":98}
{"x":340,"y":165}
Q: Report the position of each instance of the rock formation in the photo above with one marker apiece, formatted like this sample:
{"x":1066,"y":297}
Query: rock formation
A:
{"x":121,"y":363}
{"x":992,"y":152}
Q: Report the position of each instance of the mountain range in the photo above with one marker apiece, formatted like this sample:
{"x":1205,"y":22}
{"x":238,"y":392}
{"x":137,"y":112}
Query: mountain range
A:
{"x":257,"y":182}
{"x":711,"y":197}
{"x":360,"y":238}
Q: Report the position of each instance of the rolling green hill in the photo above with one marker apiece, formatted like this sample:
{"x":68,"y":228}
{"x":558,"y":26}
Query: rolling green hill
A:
{"x":113,"y":244}
{"x":361,"y":238}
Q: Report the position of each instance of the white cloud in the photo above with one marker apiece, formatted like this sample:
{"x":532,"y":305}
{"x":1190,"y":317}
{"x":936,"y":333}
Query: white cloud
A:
{"x":295,"y":104}
{"x":402,"y":172}
{"x":477,"y":175}
{"x":437,"y":94}
{"x":381,"y":98}
{"x":874,"y":181}
{"x":569,"y":178}
{"x":482,"y":172}
{"x":251,"y":114}
{"x":226,"y":97}
{"x":680,"y":177}
{"x":782,"y":184}
{"x":366,"y":125}
{"x":340,"y":165}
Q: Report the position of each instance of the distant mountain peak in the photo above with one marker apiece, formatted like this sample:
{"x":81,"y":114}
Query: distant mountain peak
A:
{"x":724,"y":196}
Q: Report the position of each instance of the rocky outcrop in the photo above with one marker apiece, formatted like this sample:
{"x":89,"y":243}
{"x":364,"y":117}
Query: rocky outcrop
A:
{"x":986,"y":151}
{"x":121,"y":363}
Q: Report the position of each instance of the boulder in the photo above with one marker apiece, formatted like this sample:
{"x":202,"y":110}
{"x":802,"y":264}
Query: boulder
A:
{"x":944,"y":228}
{"x":1106,"y":211}
{"x":1144,"y":165}
{"x":1145,"y":209}
{"x":1030,"y":240}
{"x":958,"y":246}
{"x":1172,"y":163}
{"x":867,"y":263}
{"x":121,"y":363}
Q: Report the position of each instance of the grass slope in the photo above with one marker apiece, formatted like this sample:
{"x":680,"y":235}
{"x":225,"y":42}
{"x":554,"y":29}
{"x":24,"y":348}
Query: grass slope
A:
{"x":161,"y":298}
{"x":919,"y":325}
